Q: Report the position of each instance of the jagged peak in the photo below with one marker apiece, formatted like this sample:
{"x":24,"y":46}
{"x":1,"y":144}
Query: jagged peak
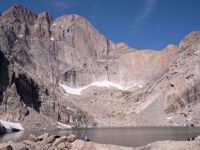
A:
{"x":191,"y":36}
{"x":121,"y":45}
{"x":17,"y":9}
{"x":72,"y":19}
{"x":20,"y":13}
{"x":45,"y":16}
{"x":171,"y":47}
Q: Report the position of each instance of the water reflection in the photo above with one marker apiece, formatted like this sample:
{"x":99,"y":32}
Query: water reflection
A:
{"x":12,"y":136}
{"x":133,"y":137}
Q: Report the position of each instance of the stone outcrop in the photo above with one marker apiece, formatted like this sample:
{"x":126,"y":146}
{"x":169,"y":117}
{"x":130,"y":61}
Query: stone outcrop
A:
{"x":46,"y":142}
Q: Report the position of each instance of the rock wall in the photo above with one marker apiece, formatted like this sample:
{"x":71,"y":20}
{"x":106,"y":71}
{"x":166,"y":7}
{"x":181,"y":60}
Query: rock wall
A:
{"x":30,"y":71}
{"x":183,"y":77}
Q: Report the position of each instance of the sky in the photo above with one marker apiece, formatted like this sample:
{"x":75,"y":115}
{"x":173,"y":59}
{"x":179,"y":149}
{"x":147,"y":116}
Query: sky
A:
{"x":143,"y":24}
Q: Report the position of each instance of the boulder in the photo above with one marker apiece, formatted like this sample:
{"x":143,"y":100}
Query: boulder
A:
{"x":43,"y":137}
{"x":9,"y":147}
{"x":71,"y":138}
{"x":51,"y":139}
{"x":60,"y":140}
{"x":29,"y":143}
{"x":33,"y":138}
{"x":62,"y":145}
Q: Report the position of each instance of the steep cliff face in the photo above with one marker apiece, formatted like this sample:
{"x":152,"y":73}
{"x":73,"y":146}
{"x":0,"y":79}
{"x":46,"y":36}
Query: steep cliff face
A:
{"x":183,"y":77}
{"x":39,"y":56}
{"x":28,"y":92}
{"x":183,"y":90}
{"x":178,"y":91}
{"x":71,"y":51}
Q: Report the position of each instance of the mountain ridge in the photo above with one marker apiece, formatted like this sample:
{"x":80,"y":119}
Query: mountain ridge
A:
{"x":37,"y":54}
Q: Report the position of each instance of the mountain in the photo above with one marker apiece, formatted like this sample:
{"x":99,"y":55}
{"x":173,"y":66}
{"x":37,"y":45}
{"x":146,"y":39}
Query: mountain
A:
{"x":65,"y":71}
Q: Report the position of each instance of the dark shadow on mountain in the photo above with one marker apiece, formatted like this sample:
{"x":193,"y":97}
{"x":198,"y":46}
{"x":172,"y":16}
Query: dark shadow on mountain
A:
{"x":4,"y":75}
{"x":28,"y":91}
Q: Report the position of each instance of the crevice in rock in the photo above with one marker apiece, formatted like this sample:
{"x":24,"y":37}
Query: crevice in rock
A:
{"x":4,"y":77}
{"x":28,"y":91}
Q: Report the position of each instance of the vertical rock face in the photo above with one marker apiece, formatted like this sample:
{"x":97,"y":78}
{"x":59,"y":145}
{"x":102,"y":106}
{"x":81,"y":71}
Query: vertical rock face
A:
{"x":178,"y":91}
{"x":26,"y":75}
{"x":70,"y":50}
{"x":42,"y":25}
{"x":38,"y":53}
{"x":81,"y":36}
{"x":183,"y":76}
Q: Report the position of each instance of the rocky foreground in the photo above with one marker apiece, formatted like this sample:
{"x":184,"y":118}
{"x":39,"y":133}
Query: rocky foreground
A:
{"x":54,"y":142}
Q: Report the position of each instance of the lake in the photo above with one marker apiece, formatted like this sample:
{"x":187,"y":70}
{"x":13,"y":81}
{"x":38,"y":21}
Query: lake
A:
{"x":132,"y":137}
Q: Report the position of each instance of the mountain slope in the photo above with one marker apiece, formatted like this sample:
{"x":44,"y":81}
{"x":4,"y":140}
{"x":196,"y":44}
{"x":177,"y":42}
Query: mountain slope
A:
{"x":64,"y":70}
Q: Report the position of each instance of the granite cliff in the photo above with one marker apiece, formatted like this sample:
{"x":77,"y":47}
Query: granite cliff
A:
{"x":65,"y":71}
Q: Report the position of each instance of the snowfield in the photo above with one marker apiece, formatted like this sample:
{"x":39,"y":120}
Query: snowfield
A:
{"x":63,"y":126}
{"x":9,"y":125}
{"x":52,"y":39}
{"x":106,"y":84}
{"x":21,"y":35}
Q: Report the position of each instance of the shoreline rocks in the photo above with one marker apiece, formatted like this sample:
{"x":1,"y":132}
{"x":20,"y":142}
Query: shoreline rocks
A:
{"x":54,"y":142}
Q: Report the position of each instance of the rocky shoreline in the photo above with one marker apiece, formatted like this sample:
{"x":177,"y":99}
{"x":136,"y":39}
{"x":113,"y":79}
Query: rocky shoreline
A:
{"x":55,"y":142}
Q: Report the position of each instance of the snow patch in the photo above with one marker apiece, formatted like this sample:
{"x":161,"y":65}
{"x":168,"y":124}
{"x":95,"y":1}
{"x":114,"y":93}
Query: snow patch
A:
{"x":9,"y":125}
{"x":74,"y":91}
{"x":169,"y":118}
{"x":52,"y":39}
{"x":63,"y":126}
{"x":140,"y":86}
{"x":54,"y":24}
{"x":101,"y":60}
{"x":106,"y":84}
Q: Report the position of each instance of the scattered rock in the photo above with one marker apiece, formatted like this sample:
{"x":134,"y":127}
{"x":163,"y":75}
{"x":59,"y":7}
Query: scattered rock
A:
{"x":51,"y":139}
{"x":43,"y":137}
{"x":71,"y":138}
{"x":33,"y":138}
{"x":62,"y":145}
{"x":9,"y":147}
{"x":60,"y":140}
{"x":29,"y":143}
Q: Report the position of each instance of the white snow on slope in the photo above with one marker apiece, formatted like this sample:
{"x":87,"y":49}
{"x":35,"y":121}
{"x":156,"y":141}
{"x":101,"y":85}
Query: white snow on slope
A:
{"x":54,"y":24}
{"x":107,"y":84}
{"x":63,"y":126}
{"x":9,"y":125}
{"x":52,"y":39}
{"x":21,"y":35}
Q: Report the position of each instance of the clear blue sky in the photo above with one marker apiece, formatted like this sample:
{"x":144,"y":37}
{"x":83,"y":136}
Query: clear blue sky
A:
{"x":141,"y":24}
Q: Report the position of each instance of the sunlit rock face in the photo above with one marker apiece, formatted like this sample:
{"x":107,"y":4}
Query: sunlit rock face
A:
{"x":65,"y":71}
{"x":70,"y":50}
{"x":178,"y":91}
{"x":183,"y":76}
{"x":30,"y":73}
